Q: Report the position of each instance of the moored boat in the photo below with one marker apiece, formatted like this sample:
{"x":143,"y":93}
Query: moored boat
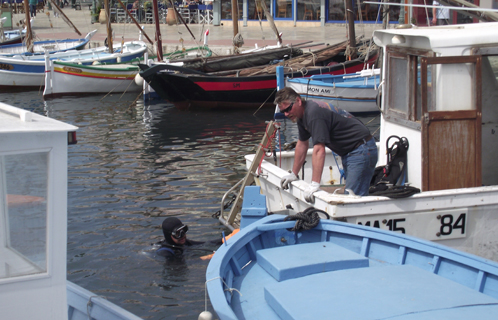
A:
{"x":278,"y":268}
{"x":12,"y":37}
{"x":63,"y":78}
{"x":244,"y":88}
{"x":355,"y":92}
{"x":28,"y":72}
{"x":439,"y":84}
{"x":50,"y":46}
{"x":33,"y":202}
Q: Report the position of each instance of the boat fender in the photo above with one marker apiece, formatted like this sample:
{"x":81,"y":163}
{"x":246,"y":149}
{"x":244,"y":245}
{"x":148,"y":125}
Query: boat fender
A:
{"x":139,"y":80}
{"x":205,"y":315}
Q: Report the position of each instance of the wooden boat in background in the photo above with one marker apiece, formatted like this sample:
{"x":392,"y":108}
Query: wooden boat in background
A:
{"x":244,"y":88}
{"x":12,"y":37}
{"x":28,"y":72}
{"x":272,"y":269}
{"x":50,"y":46}
{"x":353,"y":92}
{"x":64,"y":78}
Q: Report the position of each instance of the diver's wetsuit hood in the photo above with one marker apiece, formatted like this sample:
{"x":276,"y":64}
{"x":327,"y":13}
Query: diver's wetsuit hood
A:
{"x":169,"y":224}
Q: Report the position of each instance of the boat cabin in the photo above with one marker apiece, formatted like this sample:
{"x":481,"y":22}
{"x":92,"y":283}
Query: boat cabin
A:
{"x":439,"y":91}
{"x":33,"y":215}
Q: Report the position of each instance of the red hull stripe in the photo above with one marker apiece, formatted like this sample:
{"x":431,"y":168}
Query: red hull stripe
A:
{"x":99,"y":77}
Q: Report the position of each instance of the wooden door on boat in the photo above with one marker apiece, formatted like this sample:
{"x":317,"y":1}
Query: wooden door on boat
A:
{"x":451,"y":122}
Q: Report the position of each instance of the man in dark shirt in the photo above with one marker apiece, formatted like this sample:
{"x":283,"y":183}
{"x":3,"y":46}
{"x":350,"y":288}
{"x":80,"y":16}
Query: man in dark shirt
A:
{"x":345,"y":135}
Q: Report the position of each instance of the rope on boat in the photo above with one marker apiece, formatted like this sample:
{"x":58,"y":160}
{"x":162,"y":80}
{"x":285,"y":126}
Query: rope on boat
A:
{"x":89,"y":305}
{"x":306,"y":220}
{"x":264,"y":101}
{"x":231,"y":290}
{"x":238,"y":41}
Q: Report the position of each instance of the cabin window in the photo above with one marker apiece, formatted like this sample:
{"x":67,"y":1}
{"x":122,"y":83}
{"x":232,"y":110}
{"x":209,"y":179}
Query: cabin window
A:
{"x":398,"y":96}
{"x":23,"y":215}
{"x":443,"y":81}
{"x":493,"y":61}
{"x":404,"y":103}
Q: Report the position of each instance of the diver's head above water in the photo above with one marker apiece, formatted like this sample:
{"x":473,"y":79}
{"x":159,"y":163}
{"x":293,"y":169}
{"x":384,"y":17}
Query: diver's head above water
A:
{"x":175,"y":232}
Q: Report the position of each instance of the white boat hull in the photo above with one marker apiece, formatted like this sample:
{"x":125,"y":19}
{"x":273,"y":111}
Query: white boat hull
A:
{"x":70,"y":79}
{"x":28,"y":72}
{"x":464,"y":219}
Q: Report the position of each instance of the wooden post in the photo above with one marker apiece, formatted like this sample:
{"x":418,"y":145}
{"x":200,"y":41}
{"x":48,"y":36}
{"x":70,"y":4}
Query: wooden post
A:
{"x":249,"y":178}
{"x":235,"y":17}
{"x":352,"y":37}
{"x":109,"y":29}
{"x":158,"y":32}
{"x":29,"y":35}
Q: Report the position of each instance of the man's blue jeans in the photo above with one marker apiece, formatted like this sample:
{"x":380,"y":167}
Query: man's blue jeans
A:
{"x":359,"y":166}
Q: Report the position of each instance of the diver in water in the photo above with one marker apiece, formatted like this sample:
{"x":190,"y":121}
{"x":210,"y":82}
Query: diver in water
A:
{"x":175,"y":238}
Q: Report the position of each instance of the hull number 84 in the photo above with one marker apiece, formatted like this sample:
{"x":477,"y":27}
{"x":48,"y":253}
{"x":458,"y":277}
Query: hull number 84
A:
{"x":439,"y":225}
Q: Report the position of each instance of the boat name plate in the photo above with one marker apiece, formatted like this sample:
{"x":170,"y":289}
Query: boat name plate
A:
{"x":6,"y":66}
{"x":73,"y":70}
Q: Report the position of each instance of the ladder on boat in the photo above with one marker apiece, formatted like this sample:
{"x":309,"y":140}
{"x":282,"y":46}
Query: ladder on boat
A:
{"x":232,"y":220}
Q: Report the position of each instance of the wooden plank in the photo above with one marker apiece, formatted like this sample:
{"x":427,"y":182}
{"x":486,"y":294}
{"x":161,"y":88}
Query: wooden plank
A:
{"x":249,"y":178}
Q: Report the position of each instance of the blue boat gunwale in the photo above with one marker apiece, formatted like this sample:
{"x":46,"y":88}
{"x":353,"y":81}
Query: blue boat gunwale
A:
{"x":225,"y":259}
{"x":338,"y":81}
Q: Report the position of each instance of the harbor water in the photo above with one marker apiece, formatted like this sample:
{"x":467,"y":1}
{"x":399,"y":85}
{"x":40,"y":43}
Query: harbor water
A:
{"x":135,"y":164}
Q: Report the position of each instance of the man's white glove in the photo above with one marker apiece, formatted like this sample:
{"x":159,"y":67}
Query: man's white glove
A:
{"x":308,"y":192}
{"x":286,"y":180}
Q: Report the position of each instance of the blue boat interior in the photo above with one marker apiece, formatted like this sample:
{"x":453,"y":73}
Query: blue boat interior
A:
{"x":344,"y":271}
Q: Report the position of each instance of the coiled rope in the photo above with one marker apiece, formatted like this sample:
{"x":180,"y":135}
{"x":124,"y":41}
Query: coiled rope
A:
{"x":306,"y":220}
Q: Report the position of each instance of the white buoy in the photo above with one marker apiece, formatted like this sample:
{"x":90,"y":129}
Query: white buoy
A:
{"x":205,"y":315}
{"x":139,"y":80}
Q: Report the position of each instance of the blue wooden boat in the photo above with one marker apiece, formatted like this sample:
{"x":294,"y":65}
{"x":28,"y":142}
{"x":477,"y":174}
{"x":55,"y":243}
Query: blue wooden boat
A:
{"x":47,"y":46}
{"x":12,"y":37}
{"x":338,"y":270}
{"x":355,"y":92}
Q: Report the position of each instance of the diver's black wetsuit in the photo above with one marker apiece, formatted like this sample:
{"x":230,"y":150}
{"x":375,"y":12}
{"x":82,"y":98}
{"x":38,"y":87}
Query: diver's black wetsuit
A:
{"x":169,"y":250}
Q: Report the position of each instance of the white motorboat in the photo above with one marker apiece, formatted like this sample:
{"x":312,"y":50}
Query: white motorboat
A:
{"x":33,"y":224}
{"x":439,"y":91}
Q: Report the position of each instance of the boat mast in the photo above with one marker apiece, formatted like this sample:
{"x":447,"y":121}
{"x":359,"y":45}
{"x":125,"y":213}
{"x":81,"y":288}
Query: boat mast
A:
{"x":269,"y":17}
{"x":29,"y":34}
{"x":159,"y":43}
{"x":64,"y":17}
{"x":109,"y":29}
{"x":235,"y":18}
{"x":352,"y":37}
{"x":135,"y":21}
